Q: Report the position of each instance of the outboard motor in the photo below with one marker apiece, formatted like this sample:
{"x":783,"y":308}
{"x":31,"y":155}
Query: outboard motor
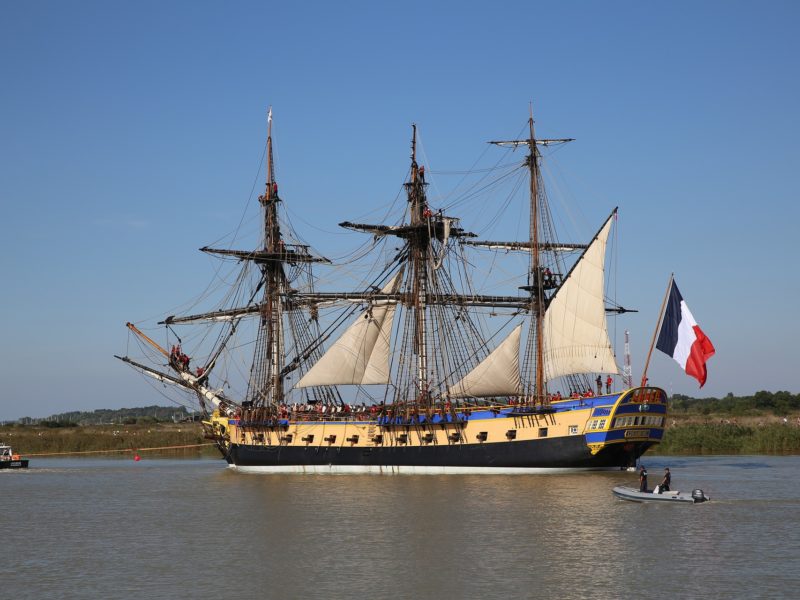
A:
{"x":699,"y":496}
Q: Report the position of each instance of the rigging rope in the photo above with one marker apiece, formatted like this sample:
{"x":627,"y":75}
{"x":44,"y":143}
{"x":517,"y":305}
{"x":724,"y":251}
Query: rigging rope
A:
{"x":154,"y":449}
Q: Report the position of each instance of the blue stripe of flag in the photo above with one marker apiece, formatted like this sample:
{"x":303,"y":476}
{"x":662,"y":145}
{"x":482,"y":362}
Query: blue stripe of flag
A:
{"x":668,"y":336}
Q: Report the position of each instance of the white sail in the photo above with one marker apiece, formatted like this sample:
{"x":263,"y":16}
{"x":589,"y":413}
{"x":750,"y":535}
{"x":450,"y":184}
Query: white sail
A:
{"x":575,"y":333}
{"x":361,"y":355}
{"x":496,"y":375}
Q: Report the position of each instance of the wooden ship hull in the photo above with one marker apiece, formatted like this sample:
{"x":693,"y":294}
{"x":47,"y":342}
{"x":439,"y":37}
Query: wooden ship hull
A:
{"x":606,"y":432}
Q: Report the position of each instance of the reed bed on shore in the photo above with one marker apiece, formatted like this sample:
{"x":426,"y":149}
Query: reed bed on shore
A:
{"x":681,"y":438}
{"x":730,"y":438}
{"x":95,"y":438}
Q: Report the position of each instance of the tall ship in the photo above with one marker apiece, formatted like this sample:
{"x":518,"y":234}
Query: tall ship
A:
{"x":417,"y":369}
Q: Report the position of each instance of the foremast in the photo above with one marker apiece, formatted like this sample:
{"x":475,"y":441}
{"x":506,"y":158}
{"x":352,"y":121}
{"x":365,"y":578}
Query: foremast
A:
{"x":283,"y":322}
{"x":265,"y":386}
{"x":278,"y":314}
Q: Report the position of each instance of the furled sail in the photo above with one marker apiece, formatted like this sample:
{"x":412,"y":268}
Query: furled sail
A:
{"x":575,"y":333}
{"x":361,"y":355}
{"x":496,"y":375}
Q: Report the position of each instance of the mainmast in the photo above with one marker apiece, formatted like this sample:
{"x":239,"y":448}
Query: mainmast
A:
{"x":419,"y":244}
{"x":429,"y":355}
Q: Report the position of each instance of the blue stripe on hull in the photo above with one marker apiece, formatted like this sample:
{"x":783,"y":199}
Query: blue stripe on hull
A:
{"x":654,"y":433}
{"x":635,"y":409}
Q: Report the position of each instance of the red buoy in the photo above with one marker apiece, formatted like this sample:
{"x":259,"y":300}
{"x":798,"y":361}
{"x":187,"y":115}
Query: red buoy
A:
{"x":137,"y":458}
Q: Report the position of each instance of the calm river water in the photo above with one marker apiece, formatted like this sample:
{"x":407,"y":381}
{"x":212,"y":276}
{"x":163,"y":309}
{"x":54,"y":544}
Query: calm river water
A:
{"x":194,"y":529}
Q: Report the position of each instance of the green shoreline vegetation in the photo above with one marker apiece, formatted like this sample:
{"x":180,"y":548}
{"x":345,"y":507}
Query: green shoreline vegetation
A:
{"x":110,"y":431}
{"x":766,"y":423}
{"x":115,"y":440}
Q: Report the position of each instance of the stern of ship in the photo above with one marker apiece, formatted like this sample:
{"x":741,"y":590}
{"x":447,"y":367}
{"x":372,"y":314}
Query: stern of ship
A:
{"x":626,"y":430}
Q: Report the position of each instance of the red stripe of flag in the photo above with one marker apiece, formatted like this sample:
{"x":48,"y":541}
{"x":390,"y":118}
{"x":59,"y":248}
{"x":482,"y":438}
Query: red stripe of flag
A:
{"x":702,"y":350}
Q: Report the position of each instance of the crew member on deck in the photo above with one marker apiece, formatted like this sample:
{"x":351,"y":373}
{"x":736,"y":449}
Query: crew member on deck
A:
{"x":599,"y":382}
{"x":642,"y":479}
{"x":609,"y":381}
{"x":665,"y":483}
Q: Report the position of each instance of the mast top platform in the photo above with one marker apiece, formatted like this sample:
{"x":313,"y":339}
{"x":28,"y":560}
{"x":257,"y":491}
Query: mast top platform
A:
{"x":517,"y":143}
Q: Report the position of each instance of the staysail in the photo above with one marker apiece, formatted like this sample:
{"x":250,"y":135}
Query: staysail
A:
{"x":575,"y":333}
{"x":361,"y":355}
{"x":496,"y":375}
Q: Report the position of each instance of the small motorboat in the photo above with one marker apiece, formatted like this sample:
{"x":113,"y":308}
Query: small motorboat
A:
{"x":9,"y":460}
{"x":634,"y":495}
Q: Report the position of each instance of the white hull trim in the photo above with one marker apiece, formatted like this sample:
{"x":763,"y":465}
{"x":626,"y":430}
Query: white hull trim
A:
{"x":409,"y":470}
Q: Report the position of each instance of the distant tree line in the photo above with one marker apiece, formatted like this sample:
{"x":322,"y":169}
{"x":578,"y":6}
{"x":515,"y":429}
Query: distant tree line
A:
{"x":123,"y":416}
{"x":777,"y":403}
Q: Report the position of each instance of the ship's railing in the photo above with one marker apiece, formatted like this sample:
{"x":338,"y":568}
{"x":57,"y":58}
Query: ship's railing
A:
{"x":402,"y":414}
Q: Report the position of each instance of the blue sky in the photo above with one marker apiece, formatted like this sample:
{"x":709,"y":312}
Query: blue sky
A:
{"x":132,"y":133}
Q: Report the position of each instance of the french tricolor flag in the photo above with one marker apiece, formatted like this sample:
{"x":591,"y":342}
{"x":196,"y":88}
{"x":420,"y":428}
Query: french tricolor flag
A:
{"x":682,"y":338}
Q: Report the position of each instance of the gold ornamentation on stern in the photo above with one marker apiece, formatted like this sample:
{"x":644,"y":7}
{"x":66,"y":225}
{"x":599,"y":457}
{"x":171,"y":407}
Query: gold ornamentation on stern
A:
{"x":595,"y":448}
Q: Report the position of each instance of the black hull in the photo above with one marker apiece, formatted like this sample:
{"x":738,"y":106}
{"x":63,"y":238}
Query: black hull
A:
{"x":557,"y":453}
{"x":14,"y":464}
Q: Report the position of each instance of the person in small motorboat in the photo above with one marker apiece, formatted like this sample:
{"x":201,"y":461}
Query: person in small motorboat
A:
{"x":665,"y":483}
{"x":642,"y":479}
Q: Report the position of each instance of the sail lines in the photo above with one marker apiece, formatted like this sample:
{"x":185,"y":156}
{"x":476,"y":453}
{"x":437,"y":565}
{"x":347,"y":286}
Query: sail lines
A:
{"x":575,"y":333}
{"x":361,"y":355}
{"x":496,"y":375}
{"x":575,"y":337}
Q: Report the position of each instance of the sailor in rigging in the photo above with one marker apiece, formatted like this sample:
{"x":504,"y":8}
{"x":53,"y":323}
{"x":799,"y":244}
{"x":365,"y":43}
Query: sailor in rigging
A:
{"x":547,"y":278}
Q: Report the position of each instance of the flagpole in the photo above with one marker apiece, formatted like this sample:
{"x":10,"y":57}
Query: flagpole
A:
{"x":655,"y":333}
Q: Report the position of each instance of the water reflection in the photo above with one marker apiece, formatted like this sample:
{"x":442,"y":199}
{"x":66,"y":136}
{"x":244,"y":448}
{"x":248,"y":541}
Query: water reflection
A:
{"x":192,"y":528}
